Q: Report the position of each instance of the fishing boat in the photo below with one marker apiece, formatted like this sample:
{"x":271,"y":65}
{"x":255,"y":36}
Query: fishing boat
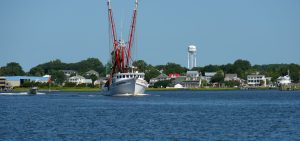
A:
{"x":124,"y":79}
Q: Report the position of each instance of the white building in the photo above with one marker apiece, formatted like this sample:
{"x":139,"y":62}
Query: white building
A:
{"x":192,"y":76}
{"x":208,"y":76}
{"x":192,"y":79}
{"x":92,"y":72}
{"x":68,"y":73}
{"x":256,"y":80}
{"x":79,"y":80}
{"x":231,"y":77}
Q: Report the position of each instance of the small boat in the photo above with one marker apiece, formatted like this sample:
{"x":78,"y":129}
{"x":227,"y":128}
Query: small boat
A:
{"x":33,"y":90}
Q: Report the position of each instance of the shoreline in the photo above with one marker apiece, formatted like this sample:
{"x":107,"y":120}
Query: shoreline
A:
{"x":84,"y":89}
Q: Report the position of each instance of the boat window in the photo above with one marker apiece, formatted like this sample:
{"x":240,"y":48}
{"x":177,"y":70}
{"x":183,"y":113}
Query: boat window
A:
{"x":123,"y":76}
{"x":127,"y":76}
{"x":131,"y":76}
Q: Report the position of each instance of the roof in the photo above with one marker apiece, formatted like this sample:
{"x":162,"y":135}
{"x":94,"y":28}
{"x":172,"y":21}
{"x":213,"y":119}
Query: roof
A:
{"x":192,"y":72}
{"x":255,"y":75}
{"x":32,"y":78}
{"x":210,"y":73}
{"x":162,"y":75}
{"x":230,"y":75}
{"x":70,"y":71}
{"x":92,"y":72}
{"x":77,"y":76}
{"x":174,"y":75}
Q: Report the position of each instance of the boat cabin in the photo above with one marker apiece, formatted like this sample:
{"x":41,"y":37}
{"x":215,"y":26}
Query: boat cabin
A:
{"x":129,"y":75}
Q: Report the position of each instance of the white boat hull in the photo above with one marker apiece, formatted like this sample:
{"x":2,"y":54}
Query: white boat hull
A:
{"x":127,"y":87}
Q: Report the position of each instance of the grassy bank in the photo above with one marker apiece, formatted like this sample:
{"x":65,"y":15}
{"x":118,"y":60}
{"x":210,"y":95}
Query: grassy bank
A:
{"x":196,"y":89}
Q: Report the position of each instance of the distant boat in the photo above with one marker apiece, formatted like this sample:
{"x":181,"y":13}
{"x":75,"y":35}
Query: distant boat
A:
{"x":284,"y":80}
{"x":124,"y":79}
{"x":33,"y":90}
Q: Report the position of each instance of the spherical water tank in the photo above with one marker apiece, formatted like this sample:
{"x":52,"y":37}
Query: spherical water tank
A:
{"x":192,"y":49}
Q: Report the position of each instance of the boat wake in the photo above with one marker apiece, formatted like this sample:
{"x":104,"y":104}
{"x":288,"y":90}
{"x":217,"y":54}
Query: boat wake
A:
{"x":21,"y":93}
{"x":125,"y":95}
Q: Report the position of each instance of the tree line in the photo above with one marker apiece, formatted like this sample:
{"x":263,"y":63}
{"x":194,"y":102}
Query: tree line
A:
{"x":241,"y":67}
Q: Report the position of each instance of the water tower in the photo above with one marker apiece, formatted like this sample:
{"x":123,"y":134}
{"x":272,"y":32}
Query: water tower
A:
{"x":192,"y":52}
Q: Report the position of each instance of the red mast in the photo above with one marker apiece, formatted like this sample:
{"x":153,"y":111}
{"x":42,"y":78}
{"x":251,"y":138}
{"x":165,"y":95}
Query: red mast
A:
{"x":132,"y":32}
{"x":121,"y":52}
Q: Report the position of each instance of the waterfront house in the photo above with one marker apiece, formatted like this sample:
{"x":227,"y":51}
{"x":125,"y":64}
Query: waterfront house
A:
{"x":79,"y":80}
{"x":68,"y":73}
{"x":92,"y":72}
{"x":208,"y":76}
{"x":256,"y":80}
{"x":192,"y":79}
{"x":231,"y":77}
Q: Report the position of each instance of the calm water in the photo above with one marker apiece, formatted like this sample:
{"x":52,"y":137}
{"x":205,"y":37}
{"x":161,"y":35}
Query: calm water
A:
{"x":163,"y":115}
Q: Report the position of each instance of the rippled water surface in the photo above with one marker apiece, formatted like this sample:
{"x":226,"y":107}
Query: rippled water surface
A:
{"x":163,"y":115}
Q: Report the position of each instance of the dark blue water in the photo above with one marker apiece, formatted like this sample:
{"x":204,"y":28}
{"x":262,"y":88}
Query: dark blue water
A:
{"x":163,"y":115}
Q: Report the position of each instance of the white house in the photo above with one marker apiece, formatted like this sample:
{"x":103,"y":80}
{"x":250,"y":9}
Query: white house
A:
{"x":92,"y":72}
{"x":192,"y":79}
{"x":231,"y":77}
{"x":192,"y":76}
{"x":79,"y":80}
{"x":256,"y":80}
{"x":208,"y":76}
{"x":68,"y":73}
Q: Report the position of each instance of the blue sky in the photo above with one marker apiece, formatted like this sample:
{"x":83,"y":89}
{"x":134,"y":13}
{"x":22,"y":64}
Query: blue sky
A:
{"x":262,"y":31}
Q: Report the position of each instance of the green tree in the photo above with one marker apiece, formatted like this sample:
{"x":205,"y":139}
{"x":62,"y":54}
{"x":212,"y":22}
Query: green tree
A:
{"x":232,"y":83}
{"x":12,"y":69}
{"x":240,"y":67}
{"x":92,"y":76}
{"x":88,"y":64}
{"x":218,"y":77}
{"x":294,"y":70}
{"x":108,"y":67}
{"x":211,"y":68}
{"x":174,"y":68}
{"x":162,"y":84}
{"x":204,"y":82}
{"x":141,"y":65}
{"x":151,"y":72}
{"x":58,"y":77}
{"x":228,"y":68}
{"x":1,"y":71}
{"x":37,"y":71}
{"x":199,"y":69}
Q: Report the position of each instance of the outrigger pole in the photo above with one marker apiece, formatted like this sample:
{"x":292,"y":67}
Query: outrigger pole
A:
{"x":120,"y":52}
